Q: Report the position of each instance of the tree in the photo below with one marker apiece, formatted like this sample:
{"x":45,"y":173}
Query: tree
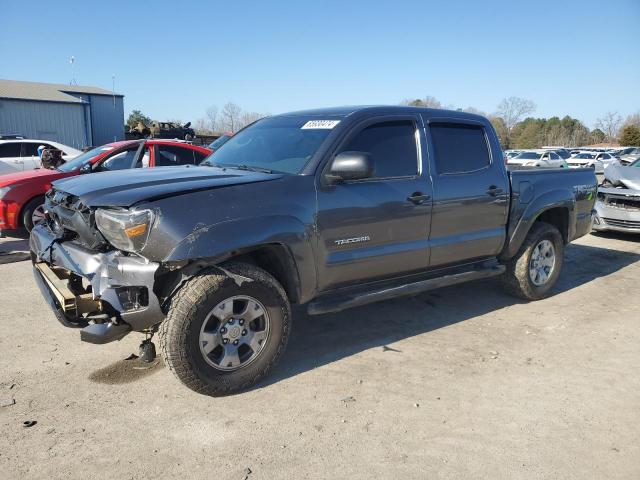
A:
{"x":501,"y":131}
{"x":630,"y":136}
{"x":137,"y":116}
{"x":609,"y":124}
{"x":247,"y":118}
{"x":513,"y":109}
{"x":633,"y":119}
{"x":212,"y":117}
{"x":231,"y":116}
{"x":428,"y":101}
{"x":201,"y":126}
{"x":597,"y":136}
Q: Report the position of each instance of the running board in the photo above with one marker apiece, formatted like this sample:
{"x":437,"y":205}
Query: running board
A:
{"x":332,"y":305}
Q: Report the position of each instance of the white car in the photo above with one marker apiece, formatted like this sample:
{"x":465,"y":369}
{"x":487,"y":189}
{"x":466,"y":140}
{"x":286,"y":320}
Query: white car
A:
{"x":538,"y":158}
{"x":595,"y":160}
{"x":17,"y":155}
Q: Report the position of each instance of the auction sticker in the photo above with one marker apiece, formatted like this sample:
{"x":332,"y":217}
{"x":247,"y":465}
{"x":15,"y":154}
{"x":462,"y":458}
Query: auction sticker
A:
{"x":321,"y":124}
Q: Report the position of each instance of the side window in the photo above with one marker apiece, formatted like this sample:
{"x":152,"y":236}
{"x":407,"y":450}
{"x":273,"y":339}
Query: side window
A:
{"x":30,"y":149}
{"x":392,"y":147}
{"x":459,"y":148}
{"x":9,"y":150}
{"x":143,"y":162}
{"x":119,"y":161}
{"x":168,"y":156}
{"x":554,"y":156}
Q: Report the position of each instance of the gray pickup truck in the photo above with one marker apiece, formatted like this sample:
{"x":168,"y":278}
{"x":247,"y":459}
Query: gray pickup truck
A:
{"x":330,"y":208}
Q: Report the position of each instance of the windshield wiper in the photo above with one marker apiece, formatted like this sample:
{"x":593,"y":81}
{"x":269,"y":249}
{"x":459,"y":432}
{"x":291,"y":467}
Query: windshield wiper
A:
{"x":247,"y":168}
{"x":251,"y":168}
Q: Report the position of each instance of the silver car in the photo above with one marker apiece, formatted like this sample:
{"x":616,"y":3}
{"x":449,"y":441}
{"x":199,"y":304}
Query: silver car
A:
{"x":618,"y":204}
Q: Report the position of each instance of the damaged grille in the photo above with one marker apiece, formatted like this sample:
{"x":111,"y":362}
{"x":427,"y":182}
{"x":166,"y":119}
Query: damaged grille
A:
{"x":626,"y":203}
{"x":622,"y":223}
{"x":67,"y":217}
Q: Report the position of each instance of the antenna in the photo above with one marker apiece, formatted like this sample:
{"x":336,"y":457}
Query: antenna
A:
{"x":72,"y":61}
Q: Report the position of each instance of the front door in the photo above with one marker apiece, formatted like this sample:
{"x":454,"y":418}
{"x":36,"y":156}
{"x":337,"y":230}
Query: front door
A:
{"x":471,"y":191}
{"x":378,"y":227}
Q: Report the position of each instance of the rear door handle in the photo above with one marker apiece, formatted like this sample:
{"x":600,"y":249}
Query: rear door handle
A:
{"x":418,"y":198}
{"x":494,"y":191}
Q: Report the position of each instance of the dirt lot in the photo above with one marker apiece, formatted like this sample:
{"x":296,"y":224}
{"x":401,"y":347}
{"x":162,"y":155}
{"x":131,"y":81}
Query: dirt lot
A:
{"x":464,"y":382}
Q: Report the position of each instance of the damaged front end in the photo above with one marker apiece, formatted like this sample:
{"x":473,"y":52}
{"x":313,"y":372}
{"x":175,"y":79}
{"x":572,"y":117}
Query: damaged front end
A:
{"x":89,"y":284}
{"x":618,"y":204}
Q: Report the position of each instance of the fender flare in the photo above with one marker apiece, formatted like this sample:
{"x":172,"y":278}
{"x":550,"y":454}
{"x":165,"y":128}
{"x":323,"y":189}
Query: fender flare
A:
{"x":523,"y":217}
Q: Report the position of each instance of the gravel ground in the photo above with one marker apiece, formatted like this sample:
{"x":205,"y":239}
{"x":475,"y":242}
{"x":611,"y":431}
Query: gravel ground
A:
{"x":463,"y":382}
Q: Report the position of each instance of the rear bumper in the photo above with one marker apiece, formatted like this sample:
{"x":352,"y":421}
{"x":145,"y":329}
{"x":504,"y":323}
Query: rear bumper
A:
{"x":608,"y":218}
{"x":107,"y":295}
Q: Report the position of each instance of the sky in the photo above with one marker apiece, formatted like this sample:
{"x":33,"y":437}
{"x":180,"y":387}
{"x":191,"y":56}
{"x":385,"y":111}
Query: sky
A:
{"x":174,"y":59}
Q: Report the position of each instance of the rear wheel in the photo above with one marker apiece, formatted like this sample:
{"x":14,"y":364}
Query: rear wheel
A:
{"x":534,"y":270}
{"x":33,"y":213}
{"x":225,"y":329}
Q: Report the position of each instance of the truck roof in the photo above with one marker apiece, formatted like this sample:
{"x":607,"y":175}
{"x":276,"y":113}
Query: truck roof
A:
{"x":381,"y":109}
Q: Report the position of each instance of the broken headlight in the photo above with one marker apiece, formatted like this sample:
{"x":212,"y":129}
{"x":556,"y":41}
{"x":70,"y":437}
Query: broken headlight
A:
{"x":125,"y":229}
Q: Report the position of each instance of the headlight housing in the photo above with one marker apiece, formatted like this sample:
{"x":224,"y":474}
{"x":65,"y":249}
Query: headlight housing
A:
{"x":5,"y":190}
{"x":125,"y":229}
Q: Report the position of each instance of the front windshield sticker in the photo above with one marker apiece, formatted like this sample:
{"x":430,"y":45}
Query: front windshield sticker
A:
{"x":321,"y":124}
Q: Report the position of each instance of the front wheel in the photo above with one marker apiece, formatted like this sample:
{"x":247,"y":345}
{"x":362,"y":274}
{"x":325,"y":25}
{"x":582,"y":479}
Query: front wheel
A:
{"x":534,"y":270}
{"x":33,"y":213}
{"x":225,"y":329}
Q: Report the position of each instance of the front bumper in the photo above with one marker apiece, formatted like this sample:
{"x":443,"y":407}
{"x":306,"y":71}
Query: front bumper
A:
{"x":92,"y":290}
{"x":615,"y":219}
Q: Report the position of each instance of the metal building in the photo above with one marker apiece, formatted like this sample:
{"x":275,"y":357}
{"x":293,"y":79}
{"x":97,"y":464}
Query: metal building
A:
{"x":71,"y":114}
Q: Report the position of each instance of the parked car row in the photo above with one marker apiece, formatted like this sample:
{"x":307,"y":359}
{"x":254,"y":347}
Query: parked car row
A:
{"x":22,"y":193}
{"x":560,"y":157}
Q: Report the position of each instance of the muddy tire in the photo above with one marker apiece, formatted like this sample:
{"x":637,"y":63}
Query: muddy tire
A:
{"x":534,"y":270}
{"x":31,"y":212}
{"x":225,"y":329}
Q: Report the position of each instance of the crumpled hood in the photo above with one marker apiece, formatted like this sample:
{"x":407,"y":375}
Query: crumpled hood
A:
{"x":618,"y":175}
{"x":124,"y":188}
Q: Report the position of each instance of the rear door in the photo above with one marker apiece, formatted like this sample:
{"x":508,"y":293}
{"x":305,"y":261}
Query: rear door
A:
{"x":10,"y":160}
{"x":29,"y":155}
{"x":173,"y":155}
{"x":377,"y":227}
{"x":470,"y":192}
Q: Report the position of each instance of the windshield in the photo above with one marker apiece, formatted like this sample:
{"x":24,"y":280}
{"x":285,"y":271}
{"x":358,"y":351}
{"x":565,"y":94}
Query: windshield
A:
{"x":83,"y":159}
{"x":278,"y":144}
{"x":528,"y":156}
{"x":218,"y":142}
{"x":585,"y":155}
{"x":635,"y":164}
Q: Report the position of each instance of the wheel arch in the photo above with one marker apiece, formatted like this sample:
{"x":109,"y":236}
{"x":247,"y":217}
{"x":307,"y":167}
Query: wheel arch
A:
{"x":556,"y":207}
{"x":20,"y":219}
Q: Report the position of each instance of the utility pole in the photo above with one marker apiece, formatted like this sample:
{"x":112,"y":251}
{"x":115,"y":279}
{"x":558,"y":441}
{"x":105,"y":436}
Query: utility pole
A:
{"x":72,"y":61}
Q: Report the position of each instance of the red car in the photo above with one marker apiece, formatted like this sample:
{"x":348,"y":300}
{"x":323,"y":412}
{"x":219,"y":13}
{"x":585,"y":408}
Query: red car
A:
{"x":22,"y":194}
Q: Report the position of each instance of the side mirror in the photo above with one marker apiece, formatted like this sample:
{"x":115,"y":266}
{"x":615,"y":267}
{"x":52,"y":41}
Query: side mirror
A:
{"x":86,"y":168}
{"x":351,"y":166}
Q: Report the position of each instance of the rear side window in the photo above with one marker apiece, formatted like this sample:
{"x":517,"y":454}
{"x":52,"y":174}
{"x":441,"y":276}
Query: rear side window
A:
{"x":9,"y":150}
{"x":459,"y":148}
{"x":392,"y":147}
{"x":119,"y":161}
{"x":31,"y":149}
{"x":168,"y":156}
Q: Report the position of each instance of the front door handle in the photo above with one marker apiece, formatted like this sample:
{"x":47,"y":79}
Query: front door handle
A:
{"x":494,"y":191}
{"x":418,"y":198}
